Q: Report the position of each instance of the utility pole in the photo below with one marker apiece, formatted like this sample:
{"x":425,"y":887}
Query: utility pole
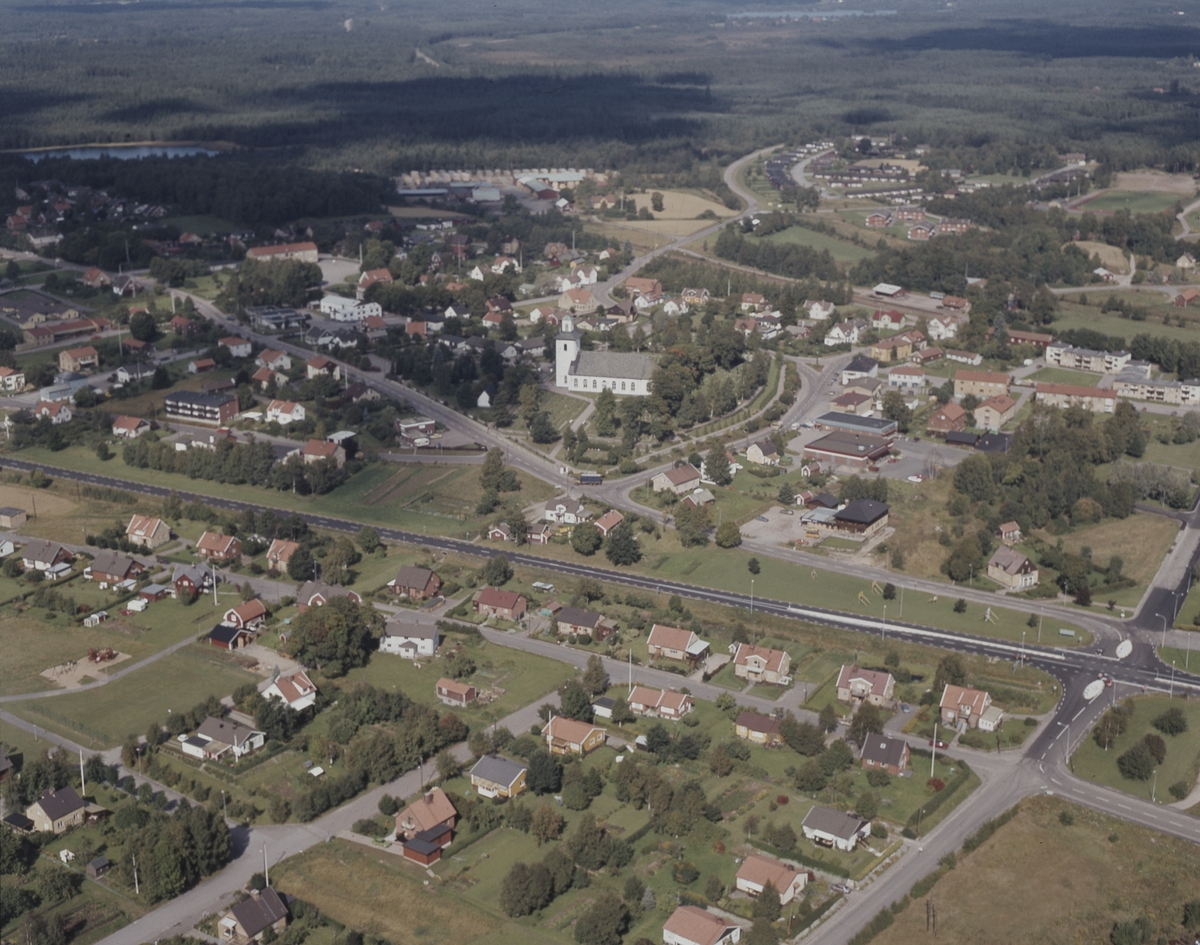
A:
{"x":137,"y":890}
{"x":82,"y":778}
{"x":933,"y":757}
{"x":266,"y":865}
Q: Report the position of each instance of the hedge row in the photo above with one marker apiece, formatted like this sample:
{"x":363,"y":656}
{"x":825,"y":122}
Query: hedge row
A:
{"x":960,"y":778}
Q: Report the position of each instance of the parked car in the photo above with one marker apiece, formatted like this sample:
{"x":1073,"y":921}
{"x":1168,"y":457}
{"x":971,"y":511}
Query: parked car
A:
{"x":939,"y":744}
{"x":761,"y":518}
{"x":840,"y":887}
{"x":905,"y":707}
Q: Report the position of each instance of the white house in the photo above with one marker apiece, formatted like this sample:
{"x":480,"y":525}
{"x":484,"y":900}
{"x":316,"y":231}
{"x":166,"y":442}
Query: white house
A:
{"x":820,"y":311}
{"x":348,"y":310}
{"x":566,"y":511}
{"x":238,"y":347}
{"x":409,"y":640}
{"x":621,"y":372}
{"x":942,"y":327}
{"x":845,"y":333}
{"x":284,"y":412}
{"x":827,"y":827}
{"x":757,"y":871}
{"x":294,"y":689}
{"x":216,"y":738}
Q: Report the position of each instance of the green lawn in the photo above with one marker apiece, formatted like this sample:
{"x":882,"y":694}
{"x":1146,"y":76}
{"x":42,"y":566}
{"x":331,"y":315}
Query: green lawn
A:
{"x":524,"y":677}
{"x":1072,"y":315}
{"x":842,"y":251}
{"x":1183,"y":751}
{"x":1057,"y":375}
{"x":105,"y":716}
{"x":1133,"y":201}
{"x":1182,"y":656}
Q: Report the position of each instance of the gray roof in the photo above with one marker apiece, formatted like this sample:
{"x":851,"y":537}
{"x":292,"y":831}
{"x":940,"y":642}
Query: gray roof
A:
{"x":833,"y":822}
{"x":60,"y":803}
{"x":41,"y":550}
{"x":400,"y":627}
{"x":498,"y":770}
{"x":225,"y":731}
{"x":622,"y":364}
{"x":577,"y":616}
{"x":310,"y":589}
{"x":10,"y":511}
{"x":863,"y":512}
{"x":113,"y":562}
{"x":882,"y":750}
{"x":194,"y":572}
{"x":256,"y":915}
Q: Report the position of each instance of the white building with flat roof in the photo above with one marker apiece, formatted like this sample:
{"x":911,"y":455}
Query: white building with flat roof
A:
{"x":348,"y":310}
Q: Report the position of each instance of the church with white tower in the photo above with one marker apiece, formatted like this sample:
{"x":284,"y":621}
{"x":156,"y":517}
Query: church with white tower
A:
{"x":622,"y":372}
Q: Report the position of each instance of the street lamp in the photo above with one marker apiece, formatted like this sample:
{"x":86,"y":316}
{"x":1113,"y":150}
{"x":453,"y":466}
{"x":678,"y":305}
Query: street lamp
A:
{"x":883,"y":626}
{"x":1164,"y":635}
{"x":1154,"y":788}
{"x":1067,"y":746}
{"x":752,"y":595}
{"x":1171,"y":695}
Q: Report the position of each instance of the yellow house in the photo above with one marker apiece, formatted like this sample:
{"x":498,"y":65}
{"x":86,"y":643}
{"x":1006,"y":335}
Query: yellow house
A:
{"x":566,"y":736}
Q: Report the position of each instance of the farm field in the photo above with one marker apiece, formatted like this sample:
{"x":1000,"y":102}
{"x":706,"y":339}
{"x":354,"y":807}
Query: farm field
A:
{"x":1182,"y":761}
{"x":1073,"y":315}
{"x":418,"y":496}
{"x":1073,"y":882}
{"x":62,"y":512}
{"x":105,"y":716}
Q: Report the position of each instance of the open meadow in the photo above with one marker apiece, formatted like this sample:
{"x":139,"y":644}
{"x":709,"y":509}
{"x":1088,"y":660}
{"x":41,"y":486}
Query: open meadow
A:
{"x":1074,"y":881}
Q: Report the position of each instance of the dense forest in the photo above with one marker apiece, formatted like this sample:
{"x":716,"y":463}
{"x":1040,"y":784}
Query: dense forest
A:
{"x":349,"y":86}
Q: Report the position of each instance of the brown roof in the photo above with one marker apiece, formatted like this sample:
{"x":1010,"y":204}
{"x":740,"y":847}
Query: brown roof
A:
{"x":215,"y":542}
{"x":494,"y":597}
{"x":295,"y":686}
{"x":251,"y":610}
{"x":681,"y":474}
{"x":877,"y":680}
{"x":671,"y":638}
{"x":84,"y":352}
{"x":773,"y":658}
{"x":761,"y":870}
{"x":1073,"y":390}
{"x":1009,"y":527}
{"x":642,"y":695}
{"x":143,"y":526}
{"x":950,"y":412}
{"x":609,"y":520}
{"x":981,"y":377}
{"x":282,"y":550}
{"x":319,"y":448}
{"x":696,"y":925}
{"x":454,"y":688}
{"x":758,"y":723}
{"x":569,"y":730}
{"x":954,"y":696}
{"x":1001,"y":403}
{"x":128,"y":423}
{"x":428,"y":810}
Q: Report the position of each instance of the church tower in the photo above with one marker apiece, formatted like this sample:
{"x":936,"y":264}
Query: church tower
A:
{"x":566,"y":352}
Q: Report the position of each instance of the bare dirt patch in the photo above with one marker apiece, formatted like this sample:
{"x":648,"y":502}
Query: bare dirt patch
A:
{"x":1111,"y":257}
{"x":1154,"y":181}
{"x":76,"y":673}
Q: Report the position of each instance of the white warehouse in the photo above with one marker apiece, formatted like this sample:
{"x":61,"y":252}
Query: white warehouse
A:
{"x":348,"y":310}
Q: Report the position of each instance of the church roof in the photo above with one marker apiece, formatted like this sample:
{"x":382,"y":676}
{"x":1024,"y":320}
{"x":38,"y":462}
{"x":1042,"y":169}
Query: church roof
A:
{"x":621,"y":364}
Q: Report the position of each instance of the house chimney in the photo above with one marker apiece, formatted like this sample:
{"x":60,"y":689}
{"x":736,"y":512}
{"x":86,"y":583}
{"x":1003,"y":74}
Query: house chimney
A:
{"x":429,"y":797}
{"x":254,"y":894}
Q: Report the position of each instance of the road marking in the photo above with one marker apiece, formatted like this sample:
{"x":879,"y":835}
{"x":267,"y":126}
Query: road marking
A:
{"x":1124,"y":806}
{"x":1078,"y":714}
{"x":1056,"y":781}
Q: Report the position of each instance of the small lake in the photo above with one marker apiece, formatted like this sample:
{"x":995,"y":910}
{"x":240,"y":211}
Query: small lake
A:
{"x":123,"y":152}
